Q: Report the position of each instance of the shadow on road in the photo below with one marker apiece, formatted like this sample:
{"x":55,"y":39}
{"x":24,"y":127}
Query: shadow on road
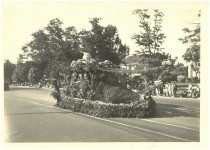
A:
{"x":169,"y":110}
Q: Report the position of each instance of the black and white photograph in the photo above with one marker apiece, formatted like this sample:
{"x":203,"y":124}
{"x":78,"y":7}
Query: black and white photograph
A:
{"x":128,"y":72}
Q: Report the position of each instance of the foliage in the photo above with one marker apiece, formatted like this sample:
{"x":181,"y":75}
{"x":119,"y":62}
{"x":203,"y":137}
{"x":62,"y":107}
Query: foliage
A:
{"x":195,"y":80}
{"x":34,"y":74}
{"x":150,"y":66}
{"x":181,"y":79}
{"x":109,"y":84}
{"x":8,"y":70}
{"x":53,"y":49}
{"x":188,"y":80}
{"x":117,"y":95}
{"x":132,"y":83}
{"x":140,"y":109}
{"x":167,"y":76}
{"x":55,"y":95}
{"x":20,"y":74}
{"x":103,"y":43}
{"x":56,"y":92}
{"x":150,"y":37}
{"x":192,"y":80}
{"x":179,"y":70}
{"x":192,"y":39}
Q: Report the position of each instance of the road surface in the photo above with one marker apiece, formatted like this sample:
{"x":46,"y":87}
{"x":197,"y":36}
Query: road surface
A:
{"x":30,"y":116}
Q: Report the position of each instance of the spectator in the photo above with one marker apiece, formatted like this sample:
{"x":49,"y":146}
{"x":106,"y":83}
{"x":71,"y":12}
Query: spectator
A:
{"x":169,"y":89}
{"x":190,"y":87}
{"x":166,"y":89}
{"x":174,"y":89}
{"x":161,"y":88}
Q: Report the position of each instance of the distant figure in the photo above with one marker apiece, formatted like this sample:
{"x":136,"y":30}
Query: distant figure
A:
{"x":174,"y":89}
{"x":157,"y":90}
{"x":196,"y":91}
{"x":167,"y":88}
{"x":161,"y":88}
{"x":190,"y":87}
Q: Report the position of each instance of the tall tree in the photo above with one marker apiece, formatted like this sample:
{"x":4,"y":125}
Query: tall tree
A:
{"x":33,"y":74}
{"x":192,"y":39}
{"x":20,"y":74}
{"x":53,"y":48}
{"x":150,"y":40}
{"x":158,"y":36}
{"x":150,"y":37}
{"x":103,"y":43}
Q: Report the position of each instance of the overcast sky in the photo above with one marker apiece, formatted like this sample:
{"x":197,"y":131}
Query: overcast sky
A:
{"x":20,"y":20}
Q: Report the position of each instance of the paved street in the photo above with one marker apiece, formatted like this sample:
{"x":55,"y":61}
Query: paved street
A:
{"x":30,"y":116}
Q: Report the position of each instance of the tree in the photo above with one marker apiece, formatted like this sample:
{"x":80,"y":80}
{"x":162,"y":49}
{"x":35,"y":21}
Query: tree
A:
{"x":20,"y":74}
{"x":33,"y":75}
{"x":192,"y":39}
{"x":150,"y":66}
{"x":180,"y":69}
{"x":103,"y":43}
{"x":53,"y":48}
{"x":8,"y":70}
{"x":150,"y":38}
{"x":158,"y":36}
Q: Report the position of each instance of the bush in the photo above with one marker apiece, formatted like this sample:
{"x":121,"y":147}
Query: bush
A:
{"x":188,"y":80}
{"x":117,"y":95}
{"x":67,"y":89}
{"x":181,"y":79}
{"x":169,"y":77}
{"x":195,"y":80}
{"x":55,"y":94}
{"x":142,"y":108}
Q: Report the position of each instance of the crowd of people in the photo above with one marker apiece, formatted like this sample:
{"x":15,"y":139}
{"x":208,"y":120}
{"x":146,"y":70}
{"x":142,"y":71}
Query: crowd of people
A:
{"x":168,"y":89}
{"x":193,"y":91}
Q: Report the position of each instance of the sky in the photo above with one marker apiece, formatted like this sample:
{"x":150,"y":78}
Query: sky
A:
{"x":21,"y":19}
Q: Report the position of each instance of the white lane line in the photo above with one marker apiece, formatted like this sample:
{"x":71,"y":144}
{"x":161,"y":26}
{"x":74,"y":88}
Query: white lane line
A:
{"x":135,"y":127}
{"x":168,"y":112}
{"x":187,"y":109}
{"x":115,"y":122}
{"x":168,"y":124}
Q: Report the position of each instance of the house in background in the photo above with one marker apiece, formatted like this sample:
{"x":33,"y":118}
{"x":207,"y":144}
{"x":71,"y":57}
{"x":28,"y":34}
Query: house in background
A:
{"x":132,"y":62}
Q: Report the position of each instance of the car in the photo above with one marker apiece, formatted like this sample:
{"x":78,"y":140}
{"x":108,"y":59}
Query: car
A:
{"x":6,"y":86}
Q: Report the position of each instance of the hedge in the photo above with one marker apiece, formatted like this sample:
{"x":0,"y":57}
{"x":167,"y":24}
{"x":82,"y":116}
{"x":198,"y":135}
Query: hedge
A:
{"x":140,"y":109}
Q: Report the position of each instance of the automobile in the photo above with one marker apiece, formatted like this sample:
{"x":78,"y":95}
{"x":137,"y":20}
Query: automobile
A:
{"x":6,"y":86}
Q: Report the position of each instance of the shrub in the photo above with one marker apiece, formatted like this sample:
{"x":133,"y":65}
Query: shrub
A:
{"x":188,"y":80}
{"x":181,"y":79}
{"x":195,"y":80}
{"x":91,"y":95}
{"x":55,"y":94}
{"x":67,"y":89}
{"x":142,"y":108}
{"x":117,"y":95}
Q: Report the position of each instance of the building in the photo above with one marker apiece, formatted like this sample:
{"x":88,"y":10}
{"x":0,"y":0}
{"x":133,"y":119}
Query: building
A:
{"x":132,"y":62}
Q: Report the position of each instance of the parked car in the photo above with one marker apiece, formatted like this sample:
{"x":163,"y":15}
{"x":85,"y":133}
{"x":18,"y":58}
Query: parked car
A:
{"x":6,"y":86}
